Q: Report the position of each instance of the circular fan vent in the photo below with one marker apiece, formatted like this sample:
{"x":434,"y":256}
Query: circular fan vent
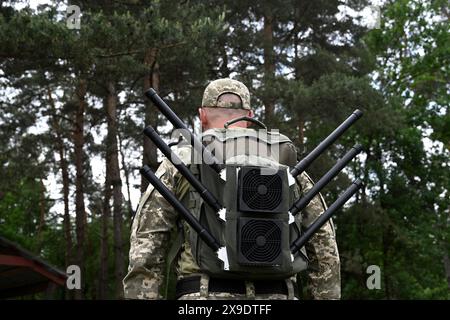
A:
{"x":261,"y":192}
{"x":260,"y":240}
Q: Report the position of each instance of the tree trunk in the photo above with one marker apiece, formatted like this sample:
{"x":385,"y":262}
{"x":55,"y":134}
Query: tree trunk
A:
{"x":41,"y":218}
{"x":66,"y":220}
{"x":80,"y":211}
{"x":269,"y":62}
{"x":65,"y":181}
{"x":150,"y":156}
{"x":112,"y":155}
{"x":104,"y":245}
{"x":127,"y":177}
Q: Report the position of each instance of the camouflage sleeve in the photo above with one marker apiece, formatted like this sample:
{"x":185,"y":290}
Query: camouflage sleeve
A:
{"x":324,"y":276}
{"x":149,"y":239}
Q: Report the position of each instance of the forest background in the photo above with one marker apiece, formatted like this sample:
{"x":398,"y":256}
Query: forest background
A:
{"x":72,"y":111}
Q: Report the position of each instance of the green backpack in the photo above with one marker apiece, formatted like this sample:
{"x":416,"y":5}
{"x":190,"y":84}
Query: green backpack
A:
{"x":256,"y":229}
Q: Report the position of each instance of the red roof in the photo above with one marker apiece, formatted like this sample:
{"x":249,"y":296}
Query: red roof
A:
{"x":22,"y":273}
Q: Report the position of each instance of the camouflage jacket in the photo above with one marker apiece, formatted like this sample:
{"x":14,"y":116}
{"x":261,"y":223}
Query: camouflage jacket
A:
{"x":155,"y":220}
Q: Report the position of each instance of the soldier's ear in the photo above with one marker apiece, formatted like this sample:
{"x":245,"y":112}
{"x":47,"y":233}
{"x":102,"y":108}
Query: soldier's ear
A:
{"x":203,"y":117}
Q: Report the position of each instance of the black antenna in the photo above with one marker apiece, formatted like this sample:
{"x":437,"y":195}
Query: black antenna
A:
{"x":306,"y":161}
{"x":176,"y":161}
{"x":324,"y":217}
{"x":178,"y":124}
{"x":203,"y":233}
{"x":333,"y":172}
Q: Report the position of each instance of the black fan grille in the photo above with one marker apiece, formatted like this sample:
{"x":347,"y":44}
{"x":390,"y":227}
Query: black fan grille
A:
{"x":260,"y":240}
{"x":261,"y":192}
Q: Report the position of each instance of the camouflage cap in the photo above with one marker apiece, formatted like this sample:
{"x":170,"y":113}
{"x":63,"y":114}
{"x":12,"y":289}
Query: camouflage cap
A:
{"x":218,"y":87}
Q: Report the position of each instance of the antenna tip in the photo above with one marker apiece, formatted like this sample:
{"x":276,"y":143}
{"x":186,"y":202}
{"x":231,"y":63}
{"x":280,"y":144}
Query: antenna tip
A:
{"x":144,"y":169}
{"x":149,"y":131}
{"x":358,"y":183}
{"x":358,"y":113}
{"x":150,"y":92}
{"x":358,"y":147}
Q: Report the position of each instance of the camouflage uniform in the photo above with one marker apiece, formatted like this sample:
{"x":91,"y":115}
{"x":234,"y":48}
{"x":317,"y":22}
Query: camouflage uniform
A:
{"x":155,"y":219}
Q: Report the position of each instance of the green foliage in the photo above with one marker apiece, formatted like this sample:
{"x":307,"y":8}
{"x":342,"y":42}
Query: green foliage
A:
{"x":323,"y":69}
{"x":19,"y":213}
{"x":409,"y":178}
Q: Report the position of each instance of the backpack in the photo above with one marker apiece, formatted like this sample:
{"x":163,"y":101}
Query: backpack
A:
{"x":257,"y":192}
